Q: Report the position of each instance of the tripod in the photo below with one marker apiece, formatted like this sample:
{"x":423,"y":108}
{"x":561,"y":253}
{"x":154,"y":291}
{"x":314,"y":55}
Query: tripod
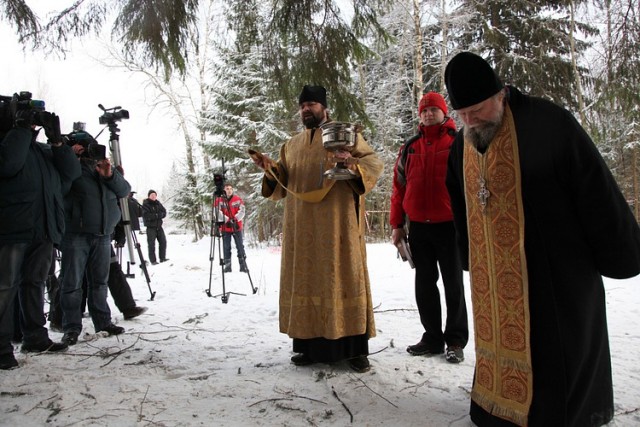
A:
{"x":133,"y":238}
{"x":216,"y":239}
{"x":114,"y":144}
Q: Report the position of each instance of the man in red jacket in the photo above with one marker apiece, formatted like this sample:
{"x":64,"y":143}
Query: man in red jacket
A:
{"x":231,"y":213}
{"x":420,"y":195}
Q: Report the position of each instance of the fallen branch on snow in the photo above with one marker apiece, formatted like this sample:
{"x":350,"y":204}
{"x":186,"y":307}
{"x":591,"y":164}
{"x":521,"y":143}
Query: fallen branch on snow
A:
{"x":343,"y":404}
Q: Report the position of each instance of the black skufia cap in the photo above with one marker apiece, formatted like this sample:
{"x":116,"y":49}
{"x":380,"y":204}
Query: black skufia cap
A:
{"x":470,"y":80}
{"x":313,"y":94}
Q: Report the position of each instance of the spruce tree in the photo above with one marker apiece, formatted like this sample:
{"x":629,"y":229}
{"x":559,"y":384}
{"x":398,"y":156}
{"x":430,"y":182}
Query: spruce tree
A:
{"x":528,"y":43}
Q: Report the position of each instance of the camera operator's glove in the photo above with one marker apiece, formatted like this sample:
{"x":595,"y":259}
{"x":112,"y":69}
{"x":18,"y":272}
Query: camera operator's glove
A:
{"x":51,"y":125}
{"x":119,"y":236}
{"x":24,"y":119}
{"x":21,"y":118}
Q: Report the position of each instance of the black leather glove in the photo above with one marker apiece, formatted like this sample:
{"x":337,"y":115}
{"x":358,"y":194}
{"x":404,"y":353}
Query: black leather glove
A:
{"x":51,"y":125}
{"x":24,"y":119}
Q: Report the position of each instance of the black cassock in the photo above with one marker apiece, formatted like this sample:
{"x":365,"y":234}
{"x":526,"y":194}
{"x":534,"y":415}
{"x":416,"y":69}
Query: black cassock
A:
{"x":578,"y":228}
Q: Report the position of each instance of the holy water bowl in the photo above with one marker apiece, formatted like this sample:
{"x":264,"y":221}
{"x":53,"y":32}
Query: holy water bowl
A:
{"x":339,"y":136}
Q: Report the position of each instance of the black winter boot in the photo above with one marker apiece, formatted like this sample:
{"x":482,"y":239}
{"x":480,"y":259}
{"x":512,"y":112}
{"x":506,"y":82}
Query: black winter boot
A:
{"x":243,"y":265}
{"x":227,"y":266}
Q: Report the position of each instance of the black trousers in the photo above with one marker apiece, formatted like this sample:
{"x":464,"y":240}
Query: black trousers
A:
{"x":433,"y":245}
{"x":118,"y":286}
{"x":153,"y":234}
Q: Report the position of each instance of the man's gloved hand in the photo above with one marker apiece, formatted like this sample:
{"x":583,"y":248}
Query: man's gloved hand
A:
{"x":24,"y":119}
{"x":21,"y":118}
{"x":51,"y":127}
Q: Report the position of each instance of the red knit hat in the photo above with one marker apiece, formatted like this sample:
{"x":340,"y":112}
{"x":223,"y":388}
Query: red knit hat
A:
{"x":432,"y":99}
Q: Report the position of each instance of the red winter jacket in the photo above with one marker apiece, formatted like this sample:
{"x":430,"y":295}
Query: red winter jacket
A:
{"x":424,"y":197}
{"x":230,"y":211}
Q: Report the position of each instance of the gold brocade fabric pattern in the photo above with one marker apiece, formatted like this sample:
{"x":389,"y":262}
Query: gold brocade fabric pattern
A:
{"x":324,"y":281}
{"x":499,"y":283}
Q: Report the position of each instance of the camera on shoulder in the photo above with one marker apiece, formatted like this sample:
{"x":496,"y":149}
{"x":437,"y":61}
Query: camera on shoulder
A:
{"x":22,"y":110}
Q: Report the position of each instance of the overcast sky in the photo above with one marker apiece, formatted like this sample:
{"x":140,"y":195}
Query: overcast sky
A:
{"x":73,"y":88}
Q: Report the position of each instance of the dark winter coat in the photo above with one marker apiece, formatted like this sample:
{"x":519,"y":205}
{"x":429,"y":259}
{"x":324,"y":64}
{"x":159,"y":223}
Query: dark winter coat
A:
{"x":135,"y":212}
{"x":152,"y":213}
{"x":578,"y":227}
{"x":33,"y":180}
{"x":92,"y":204}
{"x":419,"y":189}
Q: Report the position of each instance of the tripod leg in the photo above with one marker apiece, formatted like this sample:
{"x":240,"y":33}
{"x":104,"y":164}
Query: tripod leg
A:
{"x":253,"y":288}
{"x":143,"y":264}
{"x":212,"y":250}
{"x":225,"y":296}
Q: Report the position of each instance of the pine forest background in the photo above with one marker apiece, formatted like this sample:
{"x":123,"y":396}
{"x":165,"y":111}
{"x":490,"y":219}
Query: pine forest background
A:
{"x":229,"y":72}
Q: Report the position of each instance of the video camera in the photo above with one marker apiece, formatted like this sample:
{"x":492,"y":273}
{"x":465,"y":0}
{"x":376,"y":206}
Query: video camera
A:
{"x":92,"y":150}
{"x":11,"y":105}
{"x":219,"y":181}
{"x":115,"y":115}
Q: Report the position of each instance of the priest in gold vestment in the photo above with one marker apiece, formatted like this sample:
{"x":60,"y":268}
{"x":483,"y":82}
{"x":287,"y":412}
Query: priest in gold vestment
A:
{"x":540,"y":220}
{"x":325,"y":295}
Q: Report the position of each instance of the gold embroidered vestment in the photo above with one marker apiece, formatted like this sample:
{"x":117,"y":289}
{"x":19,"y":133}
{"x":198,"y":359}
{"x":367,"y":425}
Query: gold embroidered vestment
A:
{"x":499,"y":281}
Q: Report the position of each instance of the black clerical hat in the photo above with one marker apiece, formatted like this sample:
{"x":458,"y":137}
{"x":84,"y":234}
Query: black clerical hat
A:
{"x":313,"y":94}
{"x":470,"y":80}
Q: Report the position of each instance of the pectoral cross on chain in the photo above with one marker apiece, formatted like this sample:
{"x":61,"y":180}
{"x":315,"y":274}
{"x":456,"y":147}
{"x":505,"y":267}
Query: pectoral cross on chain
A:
{"x":483,"y":193}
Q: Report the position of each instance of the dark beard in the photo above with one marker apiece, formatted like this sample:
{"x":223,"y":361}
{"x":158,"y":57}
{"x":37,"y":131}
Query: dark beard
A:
{"x":310,"y":121}
{"x":481,"y":136}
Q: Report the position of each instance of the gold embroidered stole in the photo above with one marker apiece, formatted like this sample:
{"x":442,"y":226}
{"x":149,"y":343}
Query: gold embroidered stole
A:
{"x":499,"y":281}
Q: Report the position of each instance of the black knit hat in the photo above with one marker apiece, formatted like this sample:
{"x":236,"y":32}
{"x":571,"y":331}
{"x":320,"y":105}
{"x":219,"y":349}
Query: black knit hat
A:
{"x":470,"y":80}
{"x":313,"y":94}
{"x":151,"y":191}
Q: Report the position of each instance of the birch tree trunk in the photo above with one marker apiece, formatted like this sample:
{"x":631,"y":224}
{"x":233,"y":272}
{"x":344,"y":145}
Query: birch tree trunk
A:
{"x":574,"y":64}
{"x":417,"y":52}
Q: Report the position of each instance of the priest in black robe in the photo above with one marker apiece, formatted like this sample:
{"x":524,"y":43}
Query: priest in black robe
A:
{"x":540,"y":219}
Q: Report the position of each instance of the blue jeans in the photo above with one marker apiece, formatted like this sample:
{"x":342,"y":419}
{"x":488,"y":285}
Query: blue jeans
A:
{"x":82,"y":254}
{"x":226,"y":244}
{"x":23,"y":272}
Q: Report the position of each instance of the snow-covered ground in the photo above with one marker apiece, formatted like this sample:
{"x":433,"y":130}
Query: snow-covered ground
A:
{"x":192,"y":360}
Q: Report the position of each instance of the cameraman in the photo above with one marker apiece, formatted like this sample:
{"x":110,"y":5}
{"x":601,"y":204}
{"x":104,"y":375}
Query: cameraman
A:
{"x":231,"y":211}
{"x":33,"y":180}
{"x":91,"y":214}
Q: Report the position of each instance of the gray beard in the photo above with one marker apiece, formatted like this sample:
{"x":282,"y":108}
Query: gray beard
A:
{"x":482,"y":136}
